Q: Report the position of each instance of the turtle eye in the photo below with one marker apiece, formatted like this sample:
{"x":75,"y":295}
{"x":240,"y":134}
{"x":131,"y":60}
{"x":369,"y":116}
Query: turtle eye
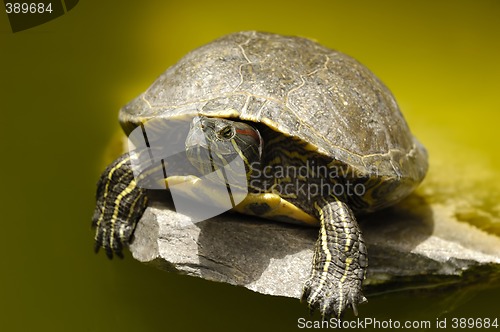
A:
{"x":226,"y":132}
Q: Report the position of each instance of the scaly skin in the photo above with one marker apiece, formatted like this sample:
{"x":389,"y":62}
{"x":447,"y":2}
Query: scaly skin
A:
{"x":120,"y":203}
{"x":340,"y":262}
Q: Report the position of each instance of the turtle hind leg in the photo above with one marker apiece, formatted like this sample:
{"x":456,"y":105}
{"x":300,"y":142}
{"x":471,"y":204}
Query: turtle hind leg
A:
{"x":340,"y":262}
{"x":120,"y":203}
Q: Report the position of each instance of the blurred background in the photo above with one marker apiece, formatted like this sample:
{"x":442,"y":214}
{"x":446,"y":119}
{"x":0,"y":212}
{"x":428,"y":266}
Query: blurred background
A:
{"x":62,"y":84}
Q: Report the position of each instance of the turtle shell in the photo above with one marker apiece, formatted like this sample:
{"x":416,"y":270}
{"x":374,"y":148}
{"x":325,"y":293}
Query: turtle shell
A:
{"x":296,"y":87}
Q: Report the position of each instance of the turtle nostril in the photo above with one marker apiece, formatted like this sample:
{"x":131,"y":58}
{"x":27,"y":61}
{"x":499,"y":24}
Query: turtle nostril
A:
{"x":203,"y":123}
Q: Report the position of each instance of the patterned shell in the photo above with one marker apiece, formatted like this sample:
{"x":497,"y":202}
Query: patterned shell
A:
{"x":296,"y":87}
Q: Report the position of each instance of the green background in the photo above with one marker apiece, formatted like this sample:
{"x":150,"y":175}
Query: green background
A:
{"x":62,"y":84}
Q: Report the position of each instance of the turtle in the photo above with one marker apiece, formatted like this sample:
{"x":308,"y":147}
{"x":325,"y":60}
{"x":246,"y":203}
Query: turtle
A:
{"x":320,"y":140}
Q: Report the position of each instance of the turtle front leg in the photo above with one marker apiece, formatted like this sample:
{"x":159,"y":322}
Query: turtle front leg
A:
{"x":340,"y":262}
{"x":120,"y":203}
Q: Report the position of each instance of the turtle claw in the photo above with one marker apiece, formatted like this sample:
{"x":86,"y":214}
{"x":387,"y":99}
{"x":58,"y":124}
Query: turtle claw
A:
{"x":112,"y":236}
{"x":116,"y":250}
{"x":109,"y":252}
{"x":112,"y":244}
{"x":331,"y":297}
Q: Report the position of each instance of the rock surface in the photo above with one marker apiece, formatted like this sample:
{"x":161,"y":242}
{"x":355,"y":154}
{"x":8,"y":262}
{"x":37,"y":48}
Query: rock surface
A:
{"x":413,"y":243}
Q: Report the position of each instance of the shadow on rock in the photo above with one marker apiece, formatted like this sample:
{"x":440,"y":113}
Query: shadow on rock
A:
{"x":277,"y":257}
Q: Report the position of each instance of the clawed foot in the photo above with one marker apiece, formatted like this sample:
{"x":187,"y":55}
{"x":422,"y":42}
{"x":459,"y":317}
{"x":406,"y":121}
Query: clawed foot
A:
{"x":120,"y":203}
{"x":339,"y":263}
{"x":112,"y":239}
{"x":332,"y":297}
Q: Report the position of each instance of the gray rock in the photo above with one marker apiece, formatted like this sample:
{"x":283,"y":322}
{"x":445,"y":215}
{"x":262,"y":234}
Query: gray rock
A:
{"x":411,"y":243}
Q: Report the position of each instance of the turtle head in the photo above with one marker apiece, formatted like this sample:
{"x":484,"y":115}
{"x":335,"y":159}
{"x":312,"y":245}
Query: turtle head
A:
{"x":216,"y":143}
